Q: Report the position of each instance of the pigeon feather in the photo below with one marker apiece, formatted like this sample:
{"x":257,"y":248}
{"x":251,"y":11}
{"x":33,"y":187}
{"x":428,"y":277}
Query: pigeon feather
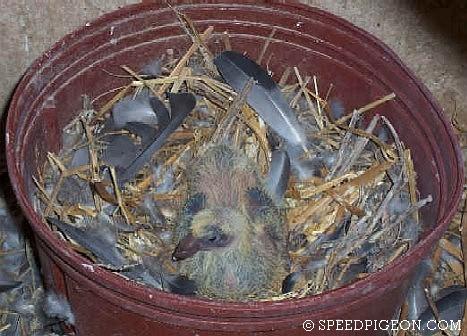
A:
{"x":450,"y":308}
{"x":265,"y":96}
{"x":137,"y":109}
{"x":120,"y":149}
{"x":57,"y":306}
{"x":95,"y":241}
{"x":152,"y":69}
{"x":7,"y":282}
{"x":278,"y":176}
{"x":181,"y":104}
{"x":416,"y":299}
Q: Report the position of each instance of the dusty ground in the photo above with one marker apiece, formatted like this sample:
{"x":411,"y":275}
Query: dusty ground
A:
{"x":429,"y":35}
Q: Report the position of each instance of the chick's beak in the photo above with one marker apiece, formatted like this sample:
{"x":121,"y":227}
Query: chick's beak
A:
{"x":187,"y":247}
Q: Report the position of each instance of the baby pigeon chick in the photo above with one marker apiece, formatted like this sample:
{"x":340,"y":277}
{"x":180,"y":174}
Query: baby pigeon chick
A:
{"x":231,"y":239}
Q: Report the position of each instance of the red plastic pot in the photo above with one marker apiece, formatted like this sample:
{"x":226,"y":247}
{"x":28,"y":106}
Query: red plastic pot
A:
{"x":361,"y":69}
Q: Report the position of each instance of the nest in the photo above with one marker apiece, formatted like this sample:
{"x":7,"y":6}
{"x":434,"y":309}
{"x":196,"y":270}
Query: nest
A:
{"x":351,"y":207}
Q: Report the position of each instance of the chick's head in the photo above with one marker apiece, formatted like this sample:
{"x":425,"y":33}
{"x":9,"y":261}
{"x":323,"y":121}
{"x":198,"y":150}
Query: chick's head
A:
{"x":213,"y":230}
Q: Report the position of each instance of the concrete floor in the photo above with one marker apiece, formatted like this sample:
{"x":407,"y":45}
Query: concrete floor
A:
{"x":429,"y":35}
{"x":29,"y":27}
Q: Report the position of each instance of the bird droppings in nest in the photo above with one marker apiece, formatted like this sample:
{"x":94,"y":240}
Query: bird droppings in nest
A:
{"x":204,"y":176}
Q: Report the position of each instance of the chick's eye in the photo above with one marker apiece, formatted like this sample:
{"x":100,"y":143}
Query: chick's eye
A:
{"x":213,"y":238}
{"x":212,"y":235}
{"x":216,"y":239}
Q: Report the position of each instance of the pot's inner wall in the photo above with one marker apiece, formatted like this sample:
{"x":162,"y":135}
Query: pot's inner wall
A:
{"x":54,"y":95}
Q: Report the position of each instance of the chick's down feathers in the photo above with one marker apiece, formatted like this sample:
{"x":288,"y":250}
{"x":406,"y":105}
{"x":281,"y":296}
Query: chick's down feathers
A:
{"x":231,"y":237}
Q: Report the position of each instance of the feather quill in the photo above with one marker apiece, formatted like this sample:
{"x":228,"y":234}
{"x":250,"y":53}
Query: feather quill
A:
{"x":265,"y":96}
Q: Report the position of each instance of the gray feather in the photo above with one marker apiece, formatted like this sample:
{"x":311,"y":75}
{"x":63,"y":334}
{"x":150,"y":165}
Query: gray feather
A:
{"x":383,"y":133}
{"x":164,"y":178}
{"x":278,"y":176}
{"x":305,"y":169}
{"x":152,"y":69}
{"x":265,"y":96}
{"x":450,"y":308}
{"x":163,"y":115}
{"x":137,"y":109}
{"x":145,"y":108}
{"x":57,"y":306}
{"x":80,"y":157}
{"x":14,"y":329}
{"x":175,"y":283}
{"x":7,"y":282}
{"x":150,"y":206}
{"x":99,"y":241}
{"x":119,"y":151}
{"x":75,"y":190}
{"x":141,"y":274}
{"x":181,"y":105}
{"x":152,"y":273}
{"x":337,"y":109}
{"x":416,"y":299}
